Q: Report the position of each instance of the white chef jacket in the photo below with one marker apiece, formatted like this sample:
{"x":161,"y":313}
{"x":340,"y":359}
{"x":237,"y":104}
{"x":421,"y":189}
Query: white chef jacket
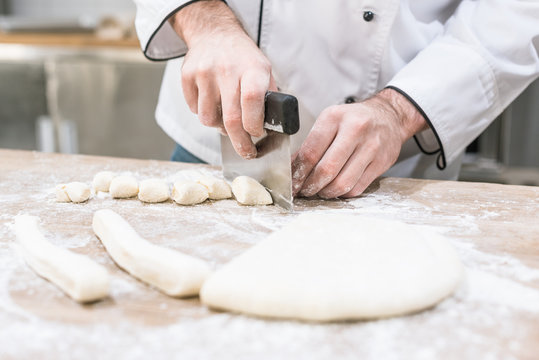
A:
{"x":461,"y":62}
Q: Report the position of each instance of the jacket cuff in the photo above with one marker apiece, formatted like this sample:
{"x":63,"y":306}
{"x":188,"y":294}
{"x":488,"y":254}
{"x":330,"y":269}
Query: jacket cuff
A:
{"x":158,"y":39}
{"x":428,"y":140}
{"x":453,"y":99}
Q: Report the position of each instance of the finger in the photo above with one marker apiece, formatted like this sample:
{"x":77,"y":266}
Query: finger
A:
{"x":330,"y":165}
{"x":369,"y":175}
{"x":313,"y":148}
{"x":231,"y":105}
{"x":349,"y":175}
{"x":254,"y":85}
{"x":190,"y":90}
{"x":209,"y":104}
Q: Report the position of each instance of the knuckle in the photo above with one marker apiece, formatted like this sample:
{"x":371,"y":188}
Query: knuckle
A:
{"x":327,"y":171}
{"x":232,"y":120}
{"x":332,"y":113}
{"x":359,"y":126}
{"x":188,"y":75}
{"x":253,"y":94}
{"x":309,"y":156}
{"x":204,"y":71}
{"x":208,"y":119}
{"x":373,"y":147}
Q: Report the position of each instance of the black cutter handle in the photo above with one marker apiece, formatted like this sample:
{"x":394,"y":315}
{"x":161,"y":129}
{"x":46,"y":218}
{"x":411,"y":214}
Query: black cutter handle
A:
{"x":281,"y":113}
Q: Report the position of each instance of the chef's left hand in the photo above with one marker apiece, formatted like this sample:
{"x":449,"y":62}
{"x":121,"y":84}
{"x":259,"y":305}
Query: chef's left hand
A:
{"x":351,"y":145}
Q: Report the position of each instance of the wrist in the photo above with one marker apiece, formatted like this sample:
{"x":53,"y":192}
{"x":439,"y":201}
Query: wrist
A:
{"x":410,"y":119}
{"x":204,"y":18}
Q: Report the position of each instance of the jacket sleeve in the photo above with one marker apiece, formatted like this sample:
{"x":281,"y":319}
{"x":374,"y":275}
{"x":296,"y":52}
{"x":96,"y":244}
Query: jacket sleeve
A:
{"x":487,"y":55}
{"x":157,"y":38}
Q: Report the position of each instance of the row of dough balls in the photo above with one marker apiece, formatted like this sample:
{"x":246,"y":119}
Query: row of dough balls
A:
{"x":246,"y":190}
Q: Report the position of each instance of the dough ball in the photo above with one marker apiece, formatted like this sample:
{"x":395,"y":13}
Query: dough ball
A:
{"x":78,"y":192}
{"x":61,"y":194}
{"x":189,"y":193}
{"x":153,"y":191}
{"x":124,"y":186}
{"x":102,"y":180}
{"x":217,"y":189}
{"x":248,"y":191}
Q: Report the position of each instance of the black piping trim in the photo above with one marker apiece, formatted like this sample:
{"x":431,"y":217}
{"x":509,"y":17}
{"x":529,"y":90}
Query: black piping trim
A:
{"x":441,"y":150}
{"x":159,"y":28}
{"x":260,"y":19}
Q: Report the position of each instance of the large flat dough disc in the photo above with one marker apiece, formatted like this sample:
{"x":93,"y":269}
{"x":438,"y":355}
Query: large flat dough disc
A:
{"x":326,"y":267}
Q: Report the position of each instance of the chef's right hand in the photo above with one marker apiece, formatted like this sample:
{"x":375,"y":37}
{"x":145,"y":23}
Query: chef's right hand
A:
{"x":225,"y":76}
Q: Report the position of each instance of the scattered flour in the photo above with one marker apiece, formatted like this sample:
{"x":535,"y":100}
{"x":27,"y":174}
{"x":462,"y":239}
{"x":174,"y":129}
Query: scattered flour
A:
{"x":493,"y":315}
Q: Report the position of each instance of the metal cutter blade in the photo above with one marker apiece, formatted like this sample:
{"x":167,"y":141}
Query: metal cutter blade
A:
{"x":272,"y":166}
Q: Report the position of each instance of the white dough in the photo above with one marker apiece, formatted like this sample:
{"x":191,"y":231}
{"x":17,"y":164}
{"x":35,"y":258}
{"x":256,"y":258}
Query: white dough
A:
{"x":102,"y":180}
{"x":218,"y":189}
{"x":326,"y":267}
{"x":78,"y":192}
{"x":189,"y":193}
{"x":153,"y":191}
{"x":61,"y":194}
{"x":170,"y":271}
{"x":248,"y":191}
{"x":123,"y":186}
{"x":79,"y":277}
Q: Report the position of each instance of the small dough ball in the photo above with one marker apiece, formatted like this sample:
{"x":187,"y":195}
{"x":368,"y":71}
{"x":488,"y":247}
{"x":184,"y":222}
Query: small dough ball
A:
{"x":102,"y":180}
{"x":61,"y":194}
{"x":153,"y":191}
{"x":189,"y":193}
{"x":78,"y":192}
{"x":124,"y":186}
{"x":217,"y":189}
{"x":248,"y":191}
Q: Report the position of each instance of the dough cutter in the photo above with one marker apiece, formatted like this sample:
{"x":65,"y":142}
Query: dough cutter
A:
{"x":272,"y":166}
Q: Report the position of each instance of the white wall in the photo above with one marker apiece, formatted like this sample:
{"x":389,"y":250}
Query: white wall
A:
{"x":70,"y":8}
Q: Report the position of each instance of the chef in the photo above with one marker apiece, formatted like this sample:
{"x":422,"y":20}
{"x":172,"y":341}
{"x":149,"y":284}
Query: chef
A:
{"x":394,"y":88}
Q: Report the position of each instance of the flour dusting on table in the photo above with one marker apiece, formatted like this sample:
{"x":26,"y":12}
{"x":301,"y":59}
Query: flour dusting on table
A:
{"x":38,"y":321}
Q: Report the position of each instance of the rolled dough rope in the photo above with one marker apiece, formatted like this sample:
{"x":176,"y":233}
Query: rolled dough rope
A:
{"x":61,"y":194}
{"x":78,"y":192}
{"x":170,"y":271}
{"x":153,"y":191}
{"x":189,"y":193}
{"x":102,"y":180}
{"x":79,"y":277}
{"x":338,"y":267}
{"x":123,"y":186}
{"x":248,"y":191}
{"x":217,"y":189}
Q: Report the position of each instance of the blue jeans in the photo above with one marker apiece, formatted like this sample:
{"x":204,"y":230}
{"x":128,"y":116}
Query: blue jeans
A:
{"x":182,"y":155}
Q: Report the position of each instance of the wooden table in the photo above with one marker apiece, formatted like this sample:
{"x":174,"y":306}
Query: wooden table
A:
{"x":493,"y":315}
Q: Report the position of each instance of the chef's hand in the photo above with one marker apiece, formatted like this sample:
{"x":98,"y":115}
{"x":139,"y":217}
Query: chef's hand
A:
{"x":224,"y":76}
{"x":351,"y":145}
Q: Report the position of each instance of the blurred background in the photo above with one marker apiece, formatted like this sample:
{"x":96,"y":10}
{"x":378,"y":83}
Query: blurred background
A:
{"x":73,"y":80}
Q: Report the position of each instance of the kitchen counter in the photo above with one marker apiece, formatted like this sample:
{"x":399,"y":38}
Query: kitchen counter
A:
{"x":494,"y":314}
{"x":66,"y":40}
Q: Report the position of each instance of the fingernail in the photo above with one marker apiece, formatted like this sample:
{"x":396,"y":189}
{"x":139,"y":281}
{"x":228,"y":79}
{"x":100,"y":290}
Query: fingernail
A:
{"x":251,"y":155}
{"x":326,"y":196}
{"x":306,"y":193}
